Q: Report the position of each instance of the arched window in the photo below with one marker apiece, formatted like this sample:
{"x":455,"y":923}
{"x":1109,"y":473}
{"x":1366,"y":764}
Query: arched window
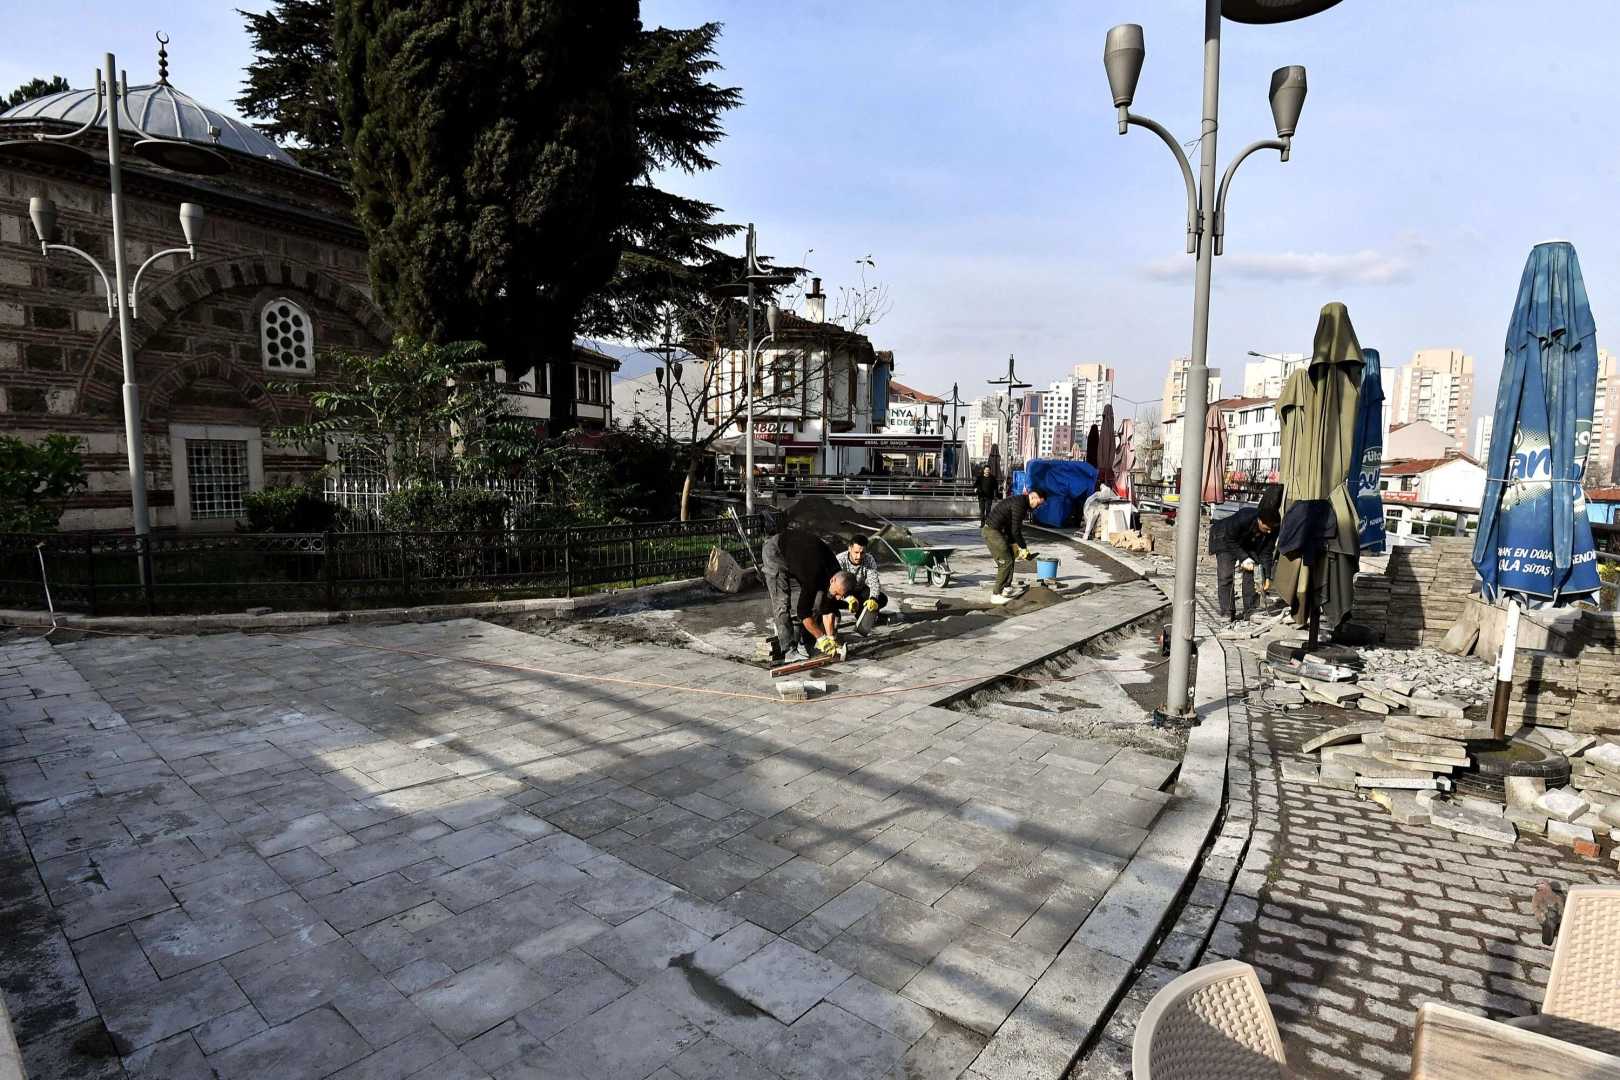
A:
{"x":287,"y":337}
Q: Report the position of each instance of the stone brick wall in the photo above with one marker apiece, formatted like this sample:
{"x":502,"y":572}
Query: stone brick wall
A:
{"x":197,"y":342}
{"x":1428,"y":587}
{"x":1579,"y":692}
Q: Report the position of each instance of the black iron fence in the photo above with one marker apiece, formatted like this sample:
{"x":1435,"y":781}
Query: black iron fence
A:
{"x":101,"y":574}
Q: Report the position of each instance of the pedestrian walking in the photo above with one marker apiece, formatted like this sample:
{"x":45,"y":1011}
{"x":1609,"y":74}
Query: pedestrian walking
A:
{"x":984,"y":485}
{"x":1003,"y":534}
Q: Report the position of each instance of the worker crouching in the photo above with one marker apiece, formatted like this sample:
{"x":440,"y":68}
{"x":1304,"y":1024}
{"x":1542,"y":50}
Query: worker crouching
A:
{"x":1245,"y":541}
{"x":797,"y":559}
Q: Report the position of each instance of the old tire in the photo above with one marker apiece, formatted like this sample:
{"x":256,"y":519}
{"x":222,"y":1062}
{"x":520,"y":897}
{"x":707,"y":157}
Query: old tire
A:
{"x":1522,"y":758}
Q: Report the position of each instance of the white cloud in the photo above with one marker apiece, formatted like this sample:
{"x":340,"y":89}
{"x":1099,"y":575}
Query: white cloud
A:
{"x":1361,"y":268}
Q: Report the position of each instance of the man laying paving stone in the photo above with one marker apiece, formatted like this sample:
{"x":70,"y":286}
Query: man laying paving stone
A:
{"x":1246,"y":540}
{"x":1004,"y":535}
{"x":795,"y":557}
{"x":868,"y":597}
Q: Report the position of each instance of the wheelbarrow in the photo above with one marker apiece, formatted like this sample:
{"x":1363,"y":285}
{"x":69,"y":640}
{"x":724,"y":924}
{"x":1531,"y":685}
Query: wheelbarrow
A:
{"x":935,"y":562}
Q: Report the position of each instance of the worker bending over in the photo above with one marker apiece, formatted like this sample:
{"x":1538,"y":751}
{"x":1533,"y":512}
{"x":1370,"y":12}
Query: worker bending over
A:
{"x":1246,"y":540}
{"x":868,"y":596}
{"x":1004,"y":535}
{"x":797,"y":558}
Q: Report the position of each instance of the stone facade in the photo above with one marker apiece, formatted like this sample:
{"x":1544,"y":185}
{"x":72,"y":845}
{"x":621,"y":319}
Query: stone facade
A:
{"x":273,"y":233}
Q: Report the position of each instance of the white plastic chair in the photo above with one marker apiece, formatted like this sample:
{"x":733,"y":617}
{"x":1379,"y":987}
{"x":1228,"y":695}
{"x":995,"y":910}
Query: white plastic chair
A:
{"x":1212,"y":1023}
{"x":1582,"y":1004}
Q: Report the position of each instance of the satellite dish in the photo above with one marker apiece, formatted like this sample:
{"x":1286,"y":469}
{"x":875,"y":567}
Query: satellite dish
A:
{"x":182,"y":157}
{"x":1272,"y":11}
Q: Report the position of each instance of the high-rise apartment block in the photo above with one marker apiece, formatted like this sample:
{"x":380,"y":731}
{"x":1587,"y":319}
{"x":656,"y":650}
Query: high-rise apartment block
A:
{"x":1603,"y":453}
{"x":1175,"y":387}
{"x":1068,"y":409}
{"x":1437,"y":386}
{"x":1264,"y":378}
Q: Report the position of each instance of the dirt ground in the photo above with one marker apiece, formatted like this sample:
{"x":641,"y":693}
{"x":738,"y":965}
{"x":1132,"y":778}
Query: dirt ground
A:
{"x":734,"y":626}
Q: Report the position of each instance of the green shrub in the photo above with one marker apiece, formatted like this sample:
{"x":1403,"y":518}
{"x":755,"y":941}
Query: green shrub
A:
{"x":289,"y":509}
{"x":424,"y":508}
{"x":36,"y":479}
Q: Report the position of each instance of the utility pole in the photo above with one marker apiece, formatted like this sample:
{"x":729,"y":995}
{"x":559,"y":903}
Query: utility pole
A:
{"x":1013,"y":386}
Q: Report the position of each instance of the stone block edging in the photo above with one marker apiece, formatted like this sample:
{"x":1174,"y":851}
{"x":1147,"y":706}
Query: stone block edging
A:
{"x":553,"y":607}
{"x":1076,"y":995}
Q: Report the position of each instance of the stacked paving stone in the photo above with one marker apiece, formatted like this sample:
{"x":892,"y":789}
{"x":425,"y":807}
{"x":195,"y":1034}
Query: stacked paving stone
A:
{"x":1371,"y":603}
{"x":1580,"y":692}
{"x":1428,"y":587}
{"x":1161,"y":534}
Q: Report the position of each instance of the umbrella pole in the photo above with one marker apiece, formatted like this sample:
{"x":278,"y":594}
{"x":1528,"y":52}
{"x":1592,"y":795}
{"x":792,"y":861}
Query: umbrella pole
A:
{"x":1504,"y":673}
{"x":1315,"y":621}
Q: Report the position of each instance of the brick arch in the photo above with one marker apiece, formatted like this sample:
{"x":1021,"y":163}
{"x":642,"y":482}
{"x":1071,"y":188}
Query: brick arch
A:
{"x":157,"y":398}
{"x":101,"y":381}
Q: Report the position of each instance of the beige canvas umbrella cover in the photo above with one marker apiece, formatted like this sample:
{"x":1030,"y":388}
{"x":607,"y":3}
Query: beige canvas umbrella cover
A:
{"x":1318,"y":413}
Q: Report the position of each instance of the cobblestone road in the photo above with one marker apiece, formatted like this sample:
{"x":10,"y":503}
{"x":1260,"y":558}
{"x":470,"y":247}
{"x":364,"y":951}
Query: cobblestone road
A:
{"x":1352,"y":920}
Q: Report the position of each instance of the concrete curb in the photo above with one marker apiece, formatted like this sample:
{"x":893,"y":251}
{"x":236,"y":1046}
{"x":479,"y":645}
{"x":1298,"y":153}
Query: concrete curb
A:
{"x":548,"y":607}
{"x":10,"y":1057}
{"x":1076,"y":995}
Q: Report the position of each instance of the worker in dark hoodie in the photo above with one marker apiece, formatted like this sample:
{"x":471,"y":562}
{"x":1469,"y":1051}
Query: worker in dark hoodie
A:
{"x":1246,"y":541}
{"x":1003,"y":534}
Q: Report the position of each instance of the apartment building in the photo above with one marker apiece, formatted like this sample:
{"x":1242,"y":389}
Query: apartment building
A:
{"x":1603,"y":454}
{"x":1437,"y":386}
{"x":1069,"y":407}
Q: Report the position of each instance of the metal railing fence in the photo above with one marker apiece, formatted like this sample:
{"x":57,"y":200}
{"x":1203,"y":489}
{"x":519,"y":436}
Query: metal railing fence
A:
{"x":100,"y":574}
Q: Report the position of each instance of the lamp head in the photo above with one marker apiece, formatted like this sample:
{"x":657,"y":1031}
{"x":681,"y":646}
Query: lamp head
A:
{"x":772,"y":315}
{"x":1287,"y":98}
{"x":675,"y":370}
{"x":1123,"y":53}
{"x":43,"y":213}
{"x":191,"y":222}
{"x":658,"y":371}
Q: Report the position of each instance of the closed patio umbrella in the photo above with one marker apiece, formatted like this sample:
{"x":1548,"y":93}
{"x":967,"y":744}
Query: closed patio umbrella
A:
{"x":1105,"y":449}
{"x":1318,"y":542}
{"x":1125,"y":461}
{"x":1366,"y":457}
{"x":1214,"y":455}
{"x":1092,"y":440}
{"x":1534,"y":543}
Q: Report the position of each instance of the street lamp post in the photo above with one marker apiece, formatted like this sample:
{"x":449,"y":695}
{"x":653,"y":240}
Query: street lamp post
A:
{"x":1010,"y":381}
{"x":668,"y":375}
{"x":122,"y":293}
{"x":754,"y":276}
{"x":1123,"y":54}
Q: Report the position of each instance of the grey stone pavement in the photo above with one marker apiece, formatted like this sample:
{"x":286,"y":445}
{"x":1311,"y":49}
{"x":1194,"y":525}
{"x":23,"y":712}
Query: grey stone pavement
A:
{"x":1351,"y":919}
{"x":299,"y":856}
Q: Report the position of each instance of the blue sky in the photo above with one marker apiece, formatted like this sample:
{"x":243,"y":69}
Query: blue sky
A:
{"x":969,"y":148}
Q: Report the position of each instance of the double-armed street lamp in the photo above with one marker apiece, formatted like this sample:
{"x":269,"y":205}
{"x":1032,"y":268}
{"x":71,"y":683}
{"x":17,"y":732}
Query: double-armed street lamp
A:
{"x":112,"y":96}
{"x":1123,"y":54}
{"x":1013,"y":385}
{"x":754,"y":277}
{"x":669,"y":374}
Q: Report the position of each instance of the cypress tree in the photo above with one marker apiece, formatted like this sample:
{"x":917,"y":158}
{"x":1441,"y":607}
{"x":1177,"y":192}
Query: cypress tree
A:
{"x":666,"y":240}
{"x":492,"y":145}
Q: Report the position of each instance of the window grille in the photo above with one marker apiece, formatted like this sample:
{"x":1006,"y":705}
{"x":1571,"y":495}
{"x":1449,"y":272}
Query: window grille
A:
{"x":216,"y":476}
{"x":286,"y":337}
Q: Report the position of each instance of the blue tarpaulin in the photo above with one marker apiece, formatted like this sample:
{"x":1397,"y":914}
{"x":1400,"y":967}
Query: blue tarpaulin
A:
{"x":1534,"y":539}
{"x":1367,"y":456}
{"x":1066,"y":485}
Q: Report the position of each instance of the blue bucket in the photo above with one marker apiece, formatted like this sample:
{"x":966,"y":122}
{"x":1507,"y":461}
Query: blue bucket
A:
{"x":1046,"y":569}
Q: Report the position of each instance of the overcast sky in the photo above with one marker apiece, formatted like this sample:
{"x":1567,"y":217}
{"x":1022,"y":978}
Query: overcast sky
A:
{"x":969,"y":148}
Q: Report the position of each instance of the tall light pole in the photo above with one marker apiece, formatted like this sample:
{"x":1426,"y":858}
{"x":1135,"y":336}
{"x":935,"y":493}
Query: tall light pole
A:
{"x":956,"y":404}
{"x":170,"y":154}
{"x":669,"y":374}
{"x":1123,"y":54}
{"x":1010,"y":381}
{"x":753,"y":276}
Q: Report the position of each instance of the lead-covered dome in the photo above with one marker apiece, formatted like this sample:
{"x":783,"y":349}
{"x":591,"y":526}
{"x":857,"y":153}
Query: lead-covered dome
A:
{"x":160,"y":110}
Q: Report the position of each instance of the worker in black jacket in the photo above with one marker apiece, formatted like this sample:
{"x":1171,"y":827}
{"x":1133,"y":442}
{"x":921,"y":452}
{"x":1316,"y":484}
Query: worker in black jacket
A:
{"x":985,"y":487}
{"x":1003,"y":534}
{"x":1246,"y":540}
{"x":798,"y":558}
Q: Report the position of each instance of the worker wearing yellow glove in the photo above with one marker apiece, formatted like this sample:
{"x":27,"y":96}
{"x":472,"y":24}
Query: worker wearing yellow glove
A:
{"x":827,"y":645}
{"x":1244,"y":541}
{"x":1003,"y":534}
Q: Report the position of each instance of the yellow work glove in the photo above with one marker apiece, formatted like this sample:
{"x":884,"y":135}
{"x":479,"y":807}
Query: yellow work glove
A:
{"x":826,"y":645}
{"x":1021,"y":554}
{"x":1248,"y":564}
{"x":871,"y":605}
{"x":853,"y":603}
